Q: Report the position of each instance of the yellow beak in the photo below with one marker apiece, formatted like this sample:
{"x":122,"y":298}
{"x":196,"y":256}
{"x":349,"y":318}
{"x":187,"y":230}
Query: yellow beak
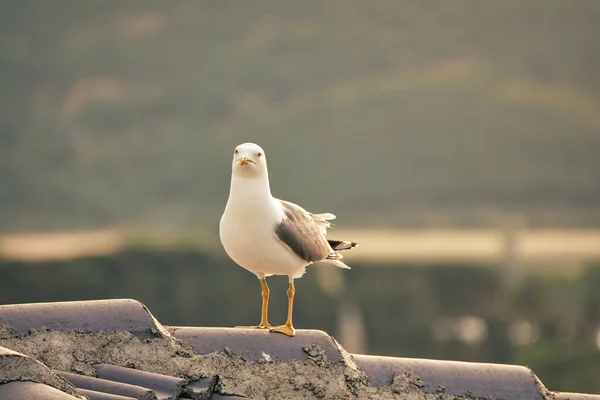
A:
{"x":244,"y":160}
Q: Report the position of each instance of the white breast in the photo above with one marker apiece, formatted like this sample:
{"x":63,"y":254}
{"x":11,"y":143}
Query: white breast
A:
{"x":247,"y":231}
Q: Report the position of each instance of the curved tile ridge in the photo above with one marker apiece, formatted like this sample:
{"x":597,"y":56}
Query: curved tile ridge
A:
{"x":257,"y":344}
{"x":113,"y":381}
{"x":164,"y":386}
{"x":108,"y":387}
{"x":17,"y":367}
{"x":93,"y":395}
{"x":575,"y":396}
{"x":502,"y":382}
{"x":87,"y":316}
{"x":32,"y":390}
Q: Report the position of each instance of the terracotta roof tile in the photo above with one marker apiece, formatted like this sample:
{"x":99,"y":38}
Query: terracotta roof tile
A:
{"x":93,"y":395}
{"x":165,"y":387}
{"x":255,"y":345}
{"x":107,"y":386}
{"x":86,"y":316}
{"x":32,"y":390}
{"x":456,"y":378}
{"x":24,"y":377}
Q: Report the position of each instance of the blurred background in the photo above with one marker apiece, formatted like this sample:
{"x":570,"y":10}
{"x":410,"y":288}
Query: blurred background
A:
{"x":459,"y":142}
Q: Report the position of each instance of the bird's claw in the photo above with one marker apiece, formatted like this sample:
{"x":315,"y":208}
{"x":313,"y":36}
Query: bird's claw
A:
{"x":261,"y":326}
{"x":285,"y":329}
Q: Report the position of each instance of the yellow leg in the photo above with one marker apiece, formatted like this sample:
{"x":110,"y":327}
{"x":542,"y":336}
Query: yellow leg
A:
{"x":264,"y":320}
{"x":288,"y":327}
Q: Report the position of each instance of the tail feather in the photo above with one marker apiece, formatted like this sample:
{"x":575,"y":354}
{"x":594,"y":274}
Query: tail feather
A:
{"x":339,"y":245}
{"x":334,"y":256}
{"x":338,"y":263}
{"x":324,"y":216}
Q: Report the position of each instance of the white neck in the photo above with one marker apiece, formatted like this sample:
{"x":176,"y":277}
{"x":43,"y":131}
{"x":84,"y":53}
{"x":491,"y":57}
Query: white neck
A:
{"x":249,"y":190}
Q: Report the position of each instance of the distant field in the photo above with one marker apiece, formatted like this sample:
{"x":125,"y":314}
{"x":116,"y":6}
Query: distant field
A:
{"x":60,"y":245}
{"x":376,"y":246}
{"x":474,"y":245}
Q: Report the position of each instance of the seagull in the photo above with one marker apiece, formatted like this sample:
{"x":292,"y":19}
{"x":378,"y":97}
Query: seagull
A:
{"x":268,"y":236}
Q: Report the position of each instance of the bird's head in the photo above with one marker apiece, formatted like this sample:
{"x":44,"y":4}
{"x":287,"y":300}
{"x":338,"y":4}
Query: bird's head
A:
{"x":249,"y":161}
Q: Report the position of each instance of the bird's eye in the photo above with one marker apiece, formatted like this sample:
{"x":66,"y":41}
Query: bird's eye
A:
{"x":258,"y":154}
{"x":235,"y":151}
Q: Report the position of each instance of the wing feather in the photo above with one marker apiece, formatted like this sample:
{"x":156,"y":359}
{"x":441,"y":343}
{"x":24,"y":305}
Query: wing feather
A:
{"x":304,"y":234}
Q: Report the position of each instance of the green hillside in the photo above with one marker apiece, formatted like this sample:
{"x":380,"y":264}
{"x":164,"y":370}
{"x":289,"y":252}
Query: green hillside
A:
{"x":386,"y":113}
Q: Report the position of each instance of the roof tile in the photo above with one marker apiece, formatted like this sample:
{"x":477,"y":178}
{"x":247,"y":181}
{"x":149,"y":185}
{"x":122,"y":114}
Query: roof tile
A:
{"x":15,"y":366}
{"x":87,"y":316}
{"x":110,"y":387}
{"x":165,"y":387}
{"x":508,"y":382}
{"x":575,"y":396}
{"x":32,"y":390}
{"x":93,"y":395}
{"x":502,"y":382}
{"x":256,"y":344}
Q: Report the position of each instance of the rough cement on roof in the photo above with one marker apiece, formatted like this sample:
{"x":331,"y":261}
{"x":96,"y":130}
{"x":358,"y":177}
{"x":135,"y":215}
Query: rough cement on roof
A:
{"x":315,"y":377}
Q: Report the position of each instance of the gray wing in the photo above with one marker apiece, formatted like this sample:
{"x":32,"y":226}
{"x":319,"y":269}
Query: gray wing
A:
{"x":304,"y":234}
